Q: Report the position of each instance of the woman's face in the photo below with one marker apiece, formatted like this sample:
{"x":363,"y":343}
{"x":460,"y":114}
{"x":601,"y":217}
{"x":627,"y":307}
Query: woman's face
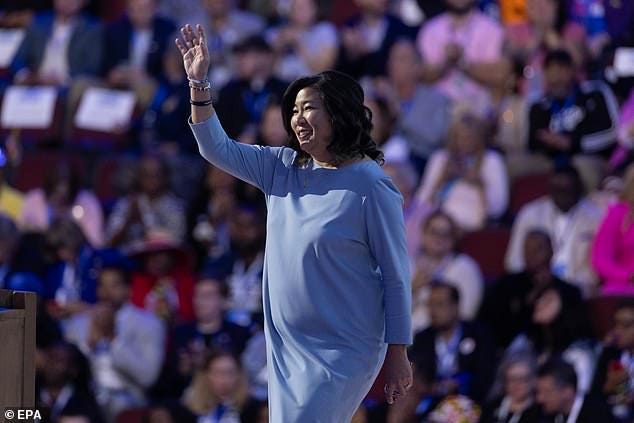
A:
{"x":312,"y":124}
{"x":437,"y":239}
{"x":223,"y":375}
{"x":303,"y":12}
{"x":519,"y":382}
{"x":467,"y":139}
{"x":272,"y":127}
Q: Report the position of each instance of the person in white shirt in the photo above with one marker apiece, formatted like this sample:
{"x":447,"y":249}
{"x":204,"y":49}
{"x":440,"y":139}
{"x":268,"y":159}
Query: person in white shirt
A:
{"x":570,"y":220}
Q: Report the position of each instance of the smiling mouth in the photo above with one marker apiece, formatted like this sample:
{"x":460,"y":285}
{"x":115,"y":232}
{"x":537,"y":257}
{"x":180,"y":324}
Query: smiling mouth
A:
{"x":304,"y":135}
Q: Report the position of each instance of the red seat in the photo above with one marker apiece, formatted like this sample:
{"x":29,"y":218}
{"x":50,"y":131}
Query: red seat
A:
{"x":487,"y":247}
{"x":35,"y":167}
{"x":526,"y":189}
{"x":133,"y":415}
{"x":601,"y":310}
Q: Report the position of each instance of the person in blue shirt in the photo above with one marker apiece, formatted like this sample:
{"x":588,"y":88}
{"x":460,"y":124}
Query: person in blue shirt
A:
{"x":336,"y":283}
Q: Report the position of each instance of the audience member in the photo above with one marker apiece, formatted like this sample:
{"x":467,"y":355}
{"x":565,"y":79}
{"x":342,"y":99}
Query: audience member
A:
{"x":125,"y":345}
{"x":509,"y":306}
{"x":164,"y":283}
{"x":219,"y":390}
{"x":413,"y":100}
{"x":211,"y":329}
{"x":135,"y":47}
{"x":465,"y":179}
{"x":60,"y":46}
{"x":62,"y":196}
{"x":241,"y":102}
{"x":305,"y":44}
{"x":367,"y":38}
{"x":243,"y":265}
{"x":462,"y":55}
{"x":271,"y":131}
{"x":614,"y":372}
{"x":459,"y":354}
{"x":225,"y":27}
{"x":570,"y":220}
{"x":71,"y":285}
{"x":557,"y":394}
{"x":63,"y":385}
{"x":513,"y":394}
{"x":152,"y":206}
{"x":544,"y":28}
{"x":613,"y":247}
{"x":573,"y":121}
{"x":437,"y":259}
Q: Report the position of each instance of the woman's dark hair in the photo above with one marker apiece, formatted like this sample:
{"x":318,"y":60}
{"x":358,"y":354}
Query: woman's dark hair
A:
{"x":351,"y":119}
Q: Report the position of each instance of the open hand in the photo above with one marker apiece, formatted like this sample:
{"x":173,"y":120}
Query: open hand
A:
{"x":193,"y":48}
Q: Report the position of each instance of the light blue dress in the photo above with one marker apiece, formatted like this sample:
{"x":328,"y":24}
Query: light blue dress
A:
{"x":336,"y":286}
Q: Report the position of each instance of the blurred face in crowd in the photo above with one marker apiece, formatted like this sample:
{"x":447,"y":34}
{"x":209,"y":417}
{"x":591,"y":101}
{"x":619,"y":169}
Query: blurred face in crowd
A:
{"x":311,"y":123}
{"x":374,"y":7}
{"x":624,"y":328}
{"x":460,"y":7}
{"x":552,"y":396}
{"x":547,"y":307}
{"x":159,"y":263}
{"x":438,"y":236}
{"x":58,"y":366}
{"x":160,"y":415}
{"x":443,"y":312}
{"x":219,"y":180}
{"x":252,"y":64}
{"x":247,"y":232}
{"x":519,"y":382}
{"x":558,"y":79}
{"x":217,"y":8}
{"x":538,"y":252}
{"x":272,"y":127}
{"x":223,"y":375}
{"x":152,"y":177}
{"x":112,"y":288}
{"x":141,"y":12}
{"x":303,"y":12}
{"x":466,"y":137}
{"x":565,"y":191}
{"x":208,"y":300}
{"x":403,"y":61}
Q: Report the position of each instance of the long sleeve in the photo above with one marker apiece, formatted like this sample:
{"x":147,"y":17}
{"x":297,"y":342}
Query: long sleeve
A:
{"x":496,"y":184}
{"x":138,"y":351}
{"x":253,"y":164}
{"x":386,"y":237}
{"x":604,"y":248}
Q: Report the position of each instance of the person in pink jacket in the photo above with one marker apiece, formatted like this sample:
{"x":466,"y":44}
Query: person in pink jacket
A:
{"x":613,"y":248}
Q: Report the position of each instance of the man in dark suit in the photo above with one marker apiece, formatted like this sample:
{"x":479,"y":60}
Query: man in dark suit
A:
{"x":242,"y":101}
{"x":59,"y":46}
{"x":135,"y":47}
{"x":459,"y":355}
{"x":560,"y":401}
{"x":614,"y":373}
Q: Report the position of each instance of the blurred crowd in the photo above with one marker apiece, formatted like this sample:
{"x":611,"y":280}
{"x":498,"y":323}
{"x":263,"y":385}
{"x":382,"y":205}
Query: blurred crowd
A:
{"x":507,"y":125}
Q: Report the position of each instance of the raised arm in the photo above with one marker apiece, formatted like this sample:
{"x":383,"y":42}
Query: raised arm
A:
{"x":252,"y":164}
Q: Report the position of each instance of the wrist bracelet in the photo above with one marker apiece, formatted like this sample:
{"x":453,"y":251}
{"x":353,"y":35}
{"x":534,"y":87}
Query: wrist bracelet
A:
{"x":200,"y":103}
{"x":196,"y":81}
{"x":197,"y":87}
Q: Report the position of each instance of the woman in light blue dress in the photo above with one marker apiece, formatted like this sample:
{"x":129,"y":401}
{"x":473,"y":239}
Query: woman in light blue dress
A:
{"x":336,"y":286}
